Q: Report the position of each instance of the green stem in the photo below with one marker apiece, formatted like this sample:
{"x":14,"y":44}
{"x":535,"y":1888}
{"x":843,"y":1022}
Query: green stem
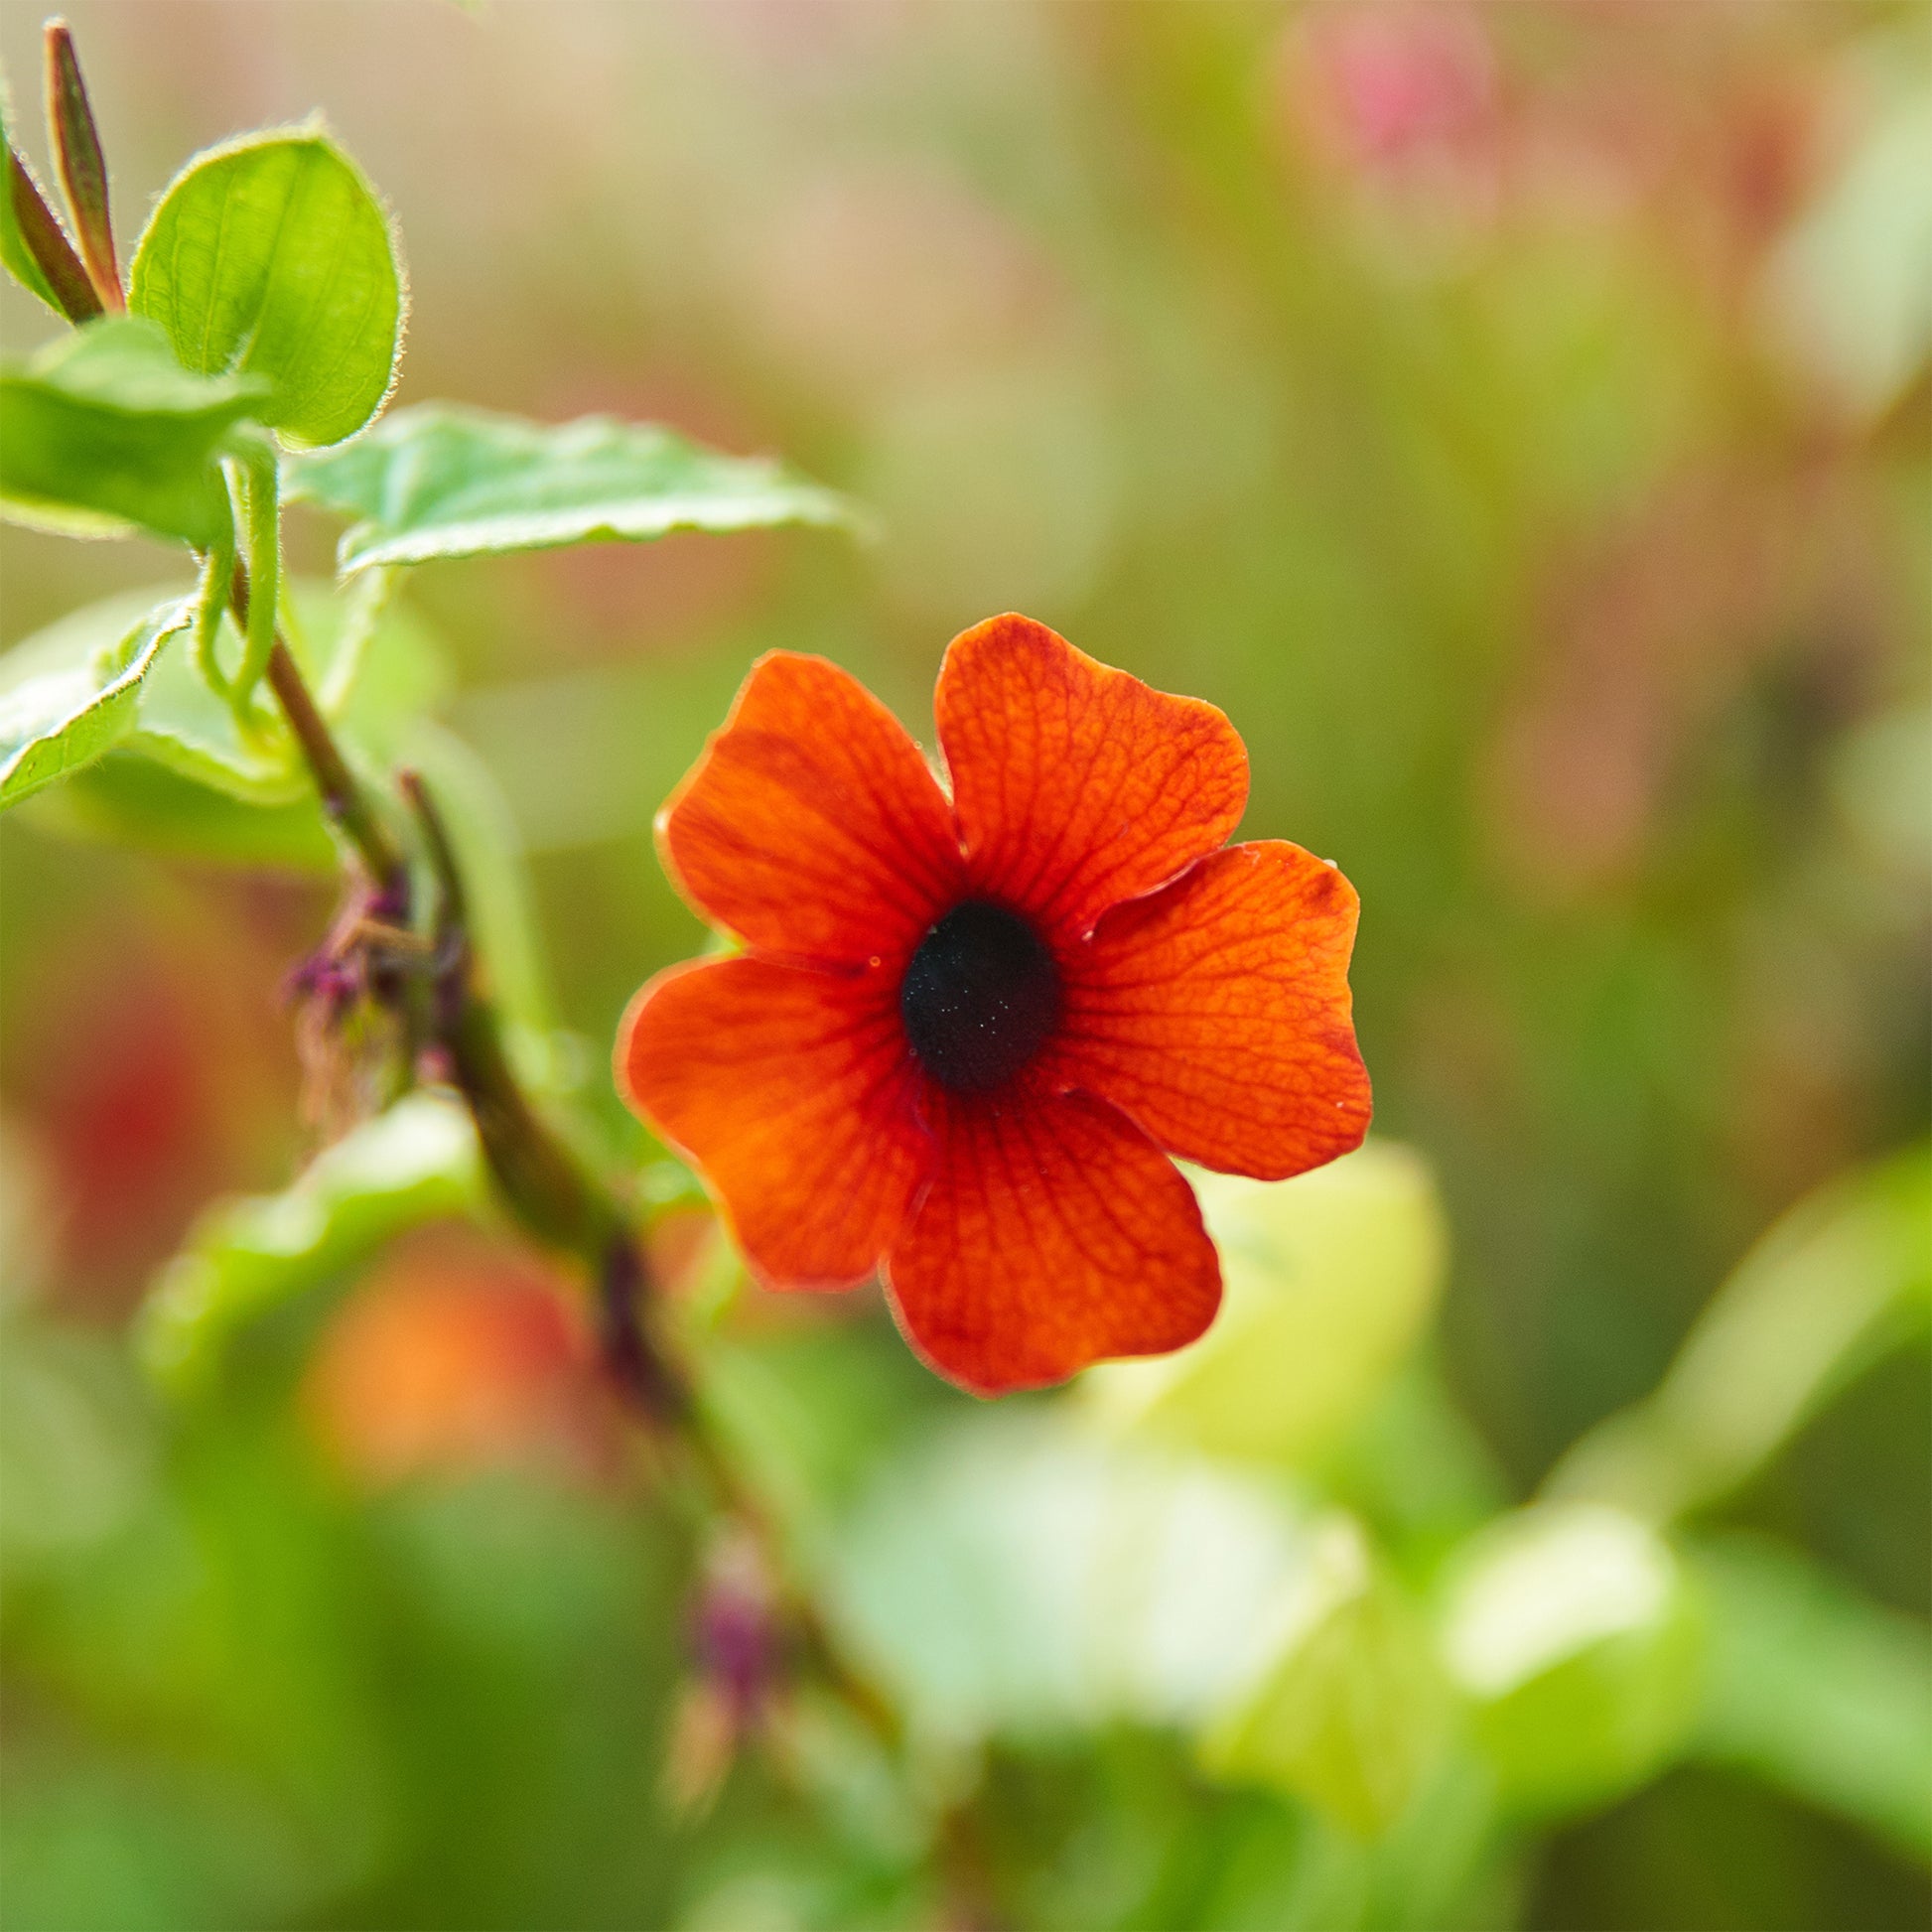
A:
{"x":261,"y":493}
{"x":344,"y":798}
{"x":549,"y":1190}
{"x":217,"y":574}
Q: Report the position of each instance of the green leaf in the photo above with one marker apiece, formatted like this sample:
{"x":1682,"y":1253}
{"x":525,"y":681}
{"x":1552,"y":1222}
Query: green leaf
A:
{"x":1819,"y":1691}
{"x":1020,"y":1576}
{"x":247,"y":1258}
{"x":57,"y":716}
{"x":15,"y":254}
{"x":71,"y":1449}
{"x":1351,"y":1711}
{"x":1851,"y":282}
{"x":1570,"y":1630}
{"x":1329,"y":1280}
{"x":1838,"y":1282}
{"x":103,"y":431}
{"x":181,"y":724}
{"x":128,"y":800}
{"x":440,"y":481}
{"x":273,"y":255}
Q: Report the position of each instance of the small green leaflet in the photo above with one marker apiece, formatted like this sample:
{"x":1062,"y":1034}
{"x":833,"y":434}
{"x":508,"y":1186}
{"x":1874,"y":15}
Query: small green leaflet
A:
{"x":54,"y":720}
{"x":104,"y":430}
{"x":273,"y":255}
{"x":442,"y":480}
{"x":14,"y":251}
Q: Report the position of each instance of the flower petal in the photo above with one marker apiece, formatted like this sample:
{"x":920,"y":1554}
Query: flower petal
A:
{"x":1074,"y":785}
{"x":1217,"y":1015}
{"x":1053,"y":1234}
{"x":811,"y":826}
{"x":792,"y":1090}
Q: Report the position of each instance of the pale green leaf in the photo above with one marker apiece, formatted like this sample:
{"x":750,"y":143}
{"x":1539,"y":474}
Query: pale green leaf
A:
{"x":1020,"y":1576}
{"x":418,"y":1162}
{"x":1851,"y":282}
{"x":181,"y":724}
{"x":273,"y":255}
{"x":183,"y":780}
{"x":103,"y":431}
{"x":1573,"y":1634}
{"x":1844,"y":1276}
{"x":1329,"y":1280}
{"x":57,"y":717}
{"x":1351,"y":1711}
{"x":1818,"y":1690}
{"x":440,"y":481}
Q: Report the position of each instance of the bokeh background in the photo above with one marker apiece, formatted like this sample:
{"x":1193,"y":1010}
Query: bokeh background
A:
{"x":1516,"y":418}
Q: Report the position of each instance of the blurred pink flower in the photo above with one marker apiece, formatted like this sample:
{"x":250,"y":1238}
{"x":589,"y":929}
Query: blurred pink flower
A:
{"x":1397,"y":86}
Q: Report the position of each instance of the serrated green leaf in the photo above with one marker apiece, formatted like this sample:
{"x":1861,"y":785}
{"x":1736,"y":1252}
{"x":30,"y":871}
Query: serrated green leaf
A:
{"x":416,"y":1162}
{"x":1573,"y":1633}
{"x":1819,"y":1691}
{"x":1329,"y":1280}
{"x":103,"y":431}
{"x":182,"y":778}
{"x":1351,"y":1711}
{"x":57,"y":718}
{"x":440,"y":481}
{"x":1838,"y":1282}
{"x":272,"y":255}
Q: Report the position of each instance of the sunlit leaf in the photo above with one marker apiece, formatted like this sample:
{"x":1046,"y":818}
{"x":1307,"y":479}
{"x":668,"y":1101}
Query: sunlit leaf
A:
{"x":1570,"y":1631}
{"x":1351,"y":1711}
{"x":1852,"y":280}
{"x":1330,"y":1277}
{"x":103,"y":431}
{"x":440,"y":481}
{"x":71,"y":695}
{"x":247,"y":1258}
{"x":1842,"y":1278}
{"x":1818,"y":1690}
{"x":181,"y":724}
{"x":1020,"y":1576}
{"x":272,"y":255}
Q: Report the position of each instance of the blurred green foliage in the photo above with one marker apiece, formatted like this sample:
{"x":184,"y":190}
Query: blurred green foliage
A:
{"x":1516,"y":419}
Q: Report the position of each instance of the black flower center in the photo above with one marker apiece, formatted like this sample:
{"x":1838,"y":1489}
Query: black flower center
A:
{"x":980,"y":997}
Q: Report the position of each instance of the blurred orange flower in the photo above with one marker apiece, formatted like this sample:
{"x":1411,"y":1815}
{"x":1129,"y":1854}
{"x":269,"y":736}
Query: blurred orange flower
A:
{"x":458,"y":1354}
{"x":965,"y":1029}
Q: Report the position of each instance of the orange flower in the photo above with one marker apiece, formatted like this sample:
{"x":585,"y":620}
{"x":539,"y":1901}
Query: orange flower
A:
{"x":962,"y":1031}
